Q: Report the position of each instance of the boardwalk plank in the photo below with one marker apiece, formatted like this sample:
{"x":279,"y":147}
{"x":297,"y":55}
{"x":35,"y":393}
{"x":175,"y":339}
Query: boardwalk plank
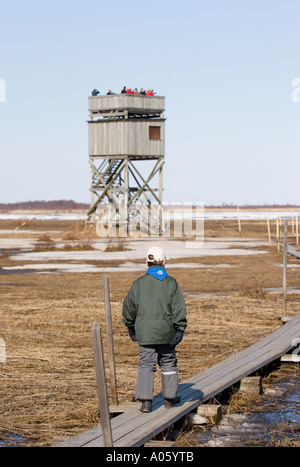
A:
{"x":293,"y":251}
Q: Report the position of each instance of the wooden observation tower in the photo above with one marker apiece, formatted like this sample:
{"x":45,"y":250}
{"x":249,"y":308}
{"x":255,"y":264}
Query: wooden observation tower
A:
{"x":126,"y":152}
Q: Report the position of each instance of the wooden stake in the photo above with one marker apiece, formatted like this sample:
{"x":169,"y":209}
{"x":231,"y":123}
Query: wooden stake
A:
{"x":284,"y":268}
{"x":101,"y":386}
{"x":297,"y":229}
{"x":239,"y":220}
{"x":110,"y":341}
{"x":277,"y":235}
{"x":269,"y":231}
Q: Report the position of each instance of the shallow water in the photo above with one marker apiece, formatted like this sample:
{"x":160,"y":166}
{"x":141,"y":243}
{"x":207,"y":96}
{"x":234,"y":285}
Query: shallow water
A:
{"x":278,"y":424}
{"x":14,"y":441}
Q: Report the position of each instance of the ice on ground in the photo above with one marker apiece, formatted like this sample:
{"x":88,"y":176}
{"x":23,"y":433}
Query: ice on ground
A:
{"x":137,"y":251}
{"x":124,"y":267}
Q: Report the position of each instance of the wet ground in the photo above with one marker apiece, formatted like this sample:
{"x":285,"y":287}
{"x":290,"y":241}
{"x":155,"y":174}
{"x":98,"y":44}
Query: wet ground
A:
{"x":274,"y":423}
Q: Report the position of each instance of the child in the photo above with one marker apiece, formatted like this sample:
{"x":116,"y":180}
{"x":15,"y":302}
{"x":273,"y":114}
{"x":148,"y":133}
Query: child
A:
{"x":155,"y":314}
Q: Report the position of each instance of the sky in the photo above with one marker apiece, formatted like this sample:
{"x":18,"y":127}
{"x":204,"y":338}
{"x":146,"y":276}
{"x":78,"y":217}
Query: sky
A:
{"x":228,"y":70}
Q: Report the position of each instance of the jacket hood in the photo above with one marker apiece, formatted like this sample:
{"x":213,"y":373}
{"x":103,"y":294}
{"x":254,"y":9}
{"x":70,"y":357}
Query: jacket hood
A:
{"x":157,"y":272}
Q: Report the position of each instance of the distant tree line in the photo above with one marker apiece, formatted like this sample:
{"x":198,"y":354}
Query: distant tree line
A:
{"x":252,"y":206}
{"x":57,"y":205}
{"x":68,"y":205}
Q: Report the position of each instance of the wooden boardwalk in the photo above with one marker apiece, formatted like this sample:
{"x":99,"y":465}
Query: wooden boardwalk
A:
{"x":133,"y":428}
{"x":293,"y":251}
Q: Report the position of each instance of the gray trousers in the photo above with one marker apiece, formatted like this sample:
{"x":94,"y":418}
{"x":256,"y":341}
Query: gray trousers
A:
{"x":165,"y":356}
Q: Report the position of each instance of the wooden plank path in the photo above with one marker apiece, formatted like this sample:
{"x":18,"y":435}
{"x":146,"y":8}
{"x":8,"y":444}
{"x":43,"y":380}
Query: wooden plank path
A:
{"x":133,"y":428}
{"x":293,"y":251}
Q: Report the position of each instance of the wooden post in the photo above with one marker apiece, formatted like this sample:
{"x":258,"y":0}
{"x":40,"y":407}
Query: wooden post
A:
{"x":251,"y":385}
{"x":278,"y":235}
{"x":110,"y":341}
{"x":206,"y":414}
{"x":297,"y":229}
{"x":101,"y":386}
{"x":239,"y":220}
{"x":269,"y":231}
{"x":284,"y":268}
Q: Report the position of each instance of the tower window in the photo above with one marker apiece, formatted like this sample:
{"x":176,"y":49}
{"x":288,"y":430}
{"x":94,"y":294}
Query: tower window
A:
{"x":154,"y":132}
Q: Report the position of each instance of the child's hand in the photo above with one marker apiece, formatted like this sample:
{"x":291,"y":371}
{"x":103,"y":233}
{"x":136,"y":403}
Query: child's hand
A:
{"x":177,"y":338}
{"x":132,"y":335}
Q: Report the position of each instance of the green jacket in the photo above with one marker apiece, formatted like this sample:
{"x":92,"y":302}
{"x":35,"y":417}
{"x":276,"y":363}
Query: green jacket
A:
{"x":155,"y":308}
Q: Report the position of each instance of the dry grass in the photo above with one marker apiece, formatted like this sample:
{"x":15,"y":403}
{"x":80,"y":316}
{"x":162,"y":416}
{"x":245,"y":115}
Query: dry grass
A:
{"x":45,"y":243}
{"x":80,"y":230}
{"x":253,"y":289}
{"x":48,"y":386}
{"x":117,"y":244}
{"x":243,"y":402}
{"x":78,"y":238}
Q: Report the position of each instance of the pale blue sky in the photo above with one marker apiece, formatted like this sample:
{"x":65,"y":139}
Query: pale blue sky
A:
{"x":225,"y":67}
